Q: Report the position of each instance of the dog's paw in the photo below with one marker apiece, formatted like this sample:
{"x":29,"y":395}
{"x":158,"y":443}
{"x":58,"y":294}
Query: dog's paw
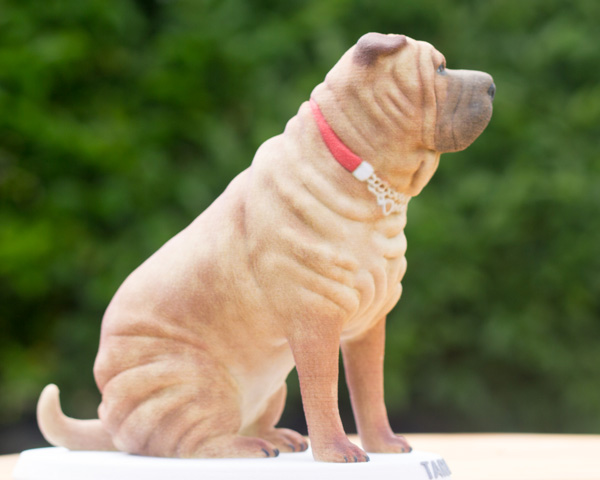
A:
{"x":340,"y":452}
{"x":231,"y":446}
{"x":286,"y":440}
{"x":388,"y":444}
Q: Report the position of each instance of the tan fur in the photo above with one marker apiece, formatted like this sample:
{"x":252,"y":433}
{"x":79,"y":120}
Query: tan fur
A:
{"x":293,"y":260}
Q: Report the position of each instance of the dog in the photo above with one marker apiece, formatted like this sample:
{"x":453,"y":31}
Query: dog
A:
{"x":302,"y":254}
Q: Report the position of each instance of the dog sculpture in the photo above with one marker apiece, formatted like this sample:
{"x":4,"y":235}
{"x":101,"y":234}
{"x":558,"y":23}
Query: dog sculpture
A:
{"x":297,"y":257}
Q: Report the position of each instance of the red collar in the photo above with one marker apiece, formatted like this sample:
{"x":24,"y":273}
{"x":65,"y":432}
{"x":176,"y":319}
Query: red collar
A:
{"x":389,"y":199}
{"x":360,"y":168}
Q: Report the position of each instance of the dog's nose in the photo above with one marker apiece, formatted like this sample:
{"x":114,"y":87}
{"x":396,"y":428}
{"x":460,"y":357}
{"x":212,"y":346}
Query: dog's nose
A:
{"x":492,"y":90}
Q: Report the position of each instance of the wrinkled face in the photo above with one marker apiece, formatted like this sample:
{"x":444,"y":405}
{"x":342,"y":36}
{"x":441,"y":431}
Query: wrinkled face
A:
{"x":455,"y":105}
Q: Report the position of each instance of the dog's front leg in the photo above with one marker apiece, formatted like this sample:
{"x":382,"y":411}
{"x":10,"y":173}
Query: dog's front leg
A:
{"x":363,"y":362}
{"x":317,"y":356}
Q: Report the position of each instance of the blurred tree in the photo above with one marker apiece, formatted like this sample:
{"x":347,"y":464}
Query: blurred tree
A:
{"x":120,"y":121}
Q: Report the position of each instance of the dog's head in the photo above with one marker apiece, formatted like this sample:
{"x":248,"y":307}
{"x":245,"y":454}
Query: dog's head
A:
{"x":393,"y":102}
{"x":419,"y":78}
{"x":400,"y":90}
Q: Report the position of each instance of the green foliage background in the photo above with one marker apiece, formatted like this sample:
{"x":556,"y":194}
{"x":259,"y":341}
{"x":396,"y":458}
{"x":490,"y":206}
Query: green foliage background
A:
{"x":121,"y":120}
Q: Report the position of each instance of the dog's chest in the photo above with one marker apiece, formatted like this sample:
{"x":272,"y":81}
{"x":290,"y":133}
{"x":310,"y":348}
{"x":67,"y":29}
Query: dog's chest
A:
{"x":351,"y":270}
{"x":316,"y":250}
{"x":380,"y":255}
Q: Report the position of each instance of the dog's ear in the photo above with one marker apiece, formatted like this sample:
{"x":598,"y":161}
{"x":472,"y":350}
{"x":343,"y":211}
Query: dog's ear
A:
{"x":372,"y":45}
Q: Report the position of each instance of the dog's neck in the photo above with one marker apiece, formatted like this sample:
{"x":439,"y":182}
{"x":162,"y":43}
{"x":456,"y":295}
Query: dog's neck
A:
{"x":394,"y":135}
{"x":387,"y":198}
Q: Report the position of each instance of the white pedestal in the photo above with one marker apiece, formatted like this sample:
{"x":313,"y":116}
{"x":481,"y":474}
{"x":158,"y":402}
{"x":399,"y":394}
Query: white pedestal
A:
{"x":63,"y":464}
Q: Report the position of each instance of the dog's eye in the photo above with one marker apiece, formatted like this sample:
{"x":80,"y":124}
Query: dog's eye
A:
{"x":441,"y":69}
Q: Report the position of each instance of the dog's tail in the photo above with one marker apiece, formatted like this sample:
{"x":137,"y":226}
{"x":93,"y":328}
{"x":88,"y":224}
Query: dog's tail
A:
{"x":62,"y":431}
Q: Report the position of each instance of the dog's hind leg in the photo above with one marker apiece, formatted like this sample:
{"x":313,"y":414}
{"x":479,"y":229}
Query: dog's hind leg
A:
{"x":185,"y":406}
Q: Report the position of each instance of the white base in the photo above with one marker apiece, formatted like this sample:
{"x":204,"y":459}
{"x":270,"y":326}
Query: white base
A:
{"x":61,"y":464}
